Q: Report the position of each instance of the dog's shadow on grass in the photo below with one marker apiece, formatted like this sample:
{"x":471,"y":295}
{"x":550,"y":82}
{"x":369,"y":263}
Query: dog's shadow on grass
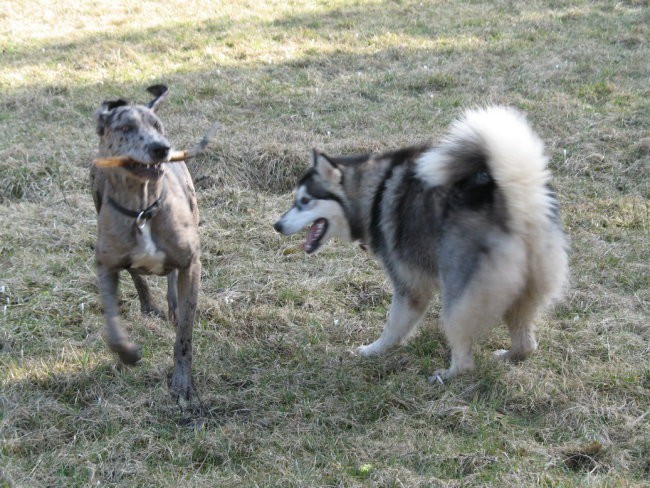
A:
{"x":260,"y":388}
{"x":82,"y":384}
{"x":329,"y":387}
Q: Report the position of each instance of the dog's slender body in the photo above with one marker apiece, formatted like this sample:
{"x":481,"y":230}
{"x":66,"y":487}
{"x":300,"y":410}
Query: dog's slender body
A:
{"x":147,"y":223}
{"x":474,"y":217}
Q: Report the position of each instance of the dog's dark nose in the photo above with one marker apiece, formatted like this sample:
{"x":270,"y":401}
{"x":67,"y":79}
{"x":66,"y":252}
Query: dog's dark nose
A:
{"x":278,"y":226}
{"x":158,"y":150}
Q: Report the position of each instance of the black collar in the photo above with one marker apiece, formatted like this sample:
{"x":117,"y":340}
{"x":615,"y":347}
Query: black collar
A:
{"x":143,"y":216}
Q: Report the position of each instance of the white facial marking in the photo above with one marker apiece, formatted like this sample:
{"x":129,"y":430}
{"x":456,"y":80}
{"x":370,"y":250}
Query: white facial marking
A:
{"x":308,"y":209}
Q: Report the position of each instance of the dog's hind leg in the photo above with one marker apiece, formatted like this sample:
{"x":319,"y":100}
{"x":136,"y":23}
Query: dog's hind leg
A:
{"x":476,"y":302}
{"x":461,"y":326}
{"x":406,"y":311}
{"x":115,"y":336}
{"x":546,"y":277}
{"x":144,"y":294}
{"x":172,"y":297}
{"x":520,"y":320}
{"x":188,"y":291}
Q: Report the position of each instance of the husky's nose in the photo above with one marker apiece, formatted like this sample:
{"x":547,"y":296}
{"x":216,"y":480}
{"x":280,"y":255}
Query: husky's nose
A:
{"x":158,"y":150}
{"x":278,"y":226}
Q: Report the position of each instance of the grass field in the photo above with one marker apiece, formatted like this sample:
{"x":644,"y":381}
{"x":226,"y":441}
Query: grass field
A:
{"x":281,"y":401}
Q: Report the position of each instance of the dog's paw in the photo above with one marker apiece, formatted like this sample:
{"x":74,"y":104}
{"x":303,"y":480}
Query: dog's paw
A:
{"x":438,"y":378}
{"x":455,"y":369}
{"x":369,"y":350}
{"x":502,"y":354}
{"x":129,"y":353}
{"x":151,"y":311}
{"x":513,"y":356}
{"x":180,"y":387}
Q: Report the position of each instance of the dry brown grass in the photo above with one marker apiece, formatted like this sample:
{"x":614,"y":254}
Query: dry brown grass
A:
{"x":281,"y":400}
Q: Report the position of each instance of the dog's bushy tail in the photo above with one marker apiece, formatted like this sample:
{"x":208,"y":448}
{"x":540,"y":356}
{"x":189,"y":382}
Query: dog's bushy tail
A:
{"x":499,"y":140}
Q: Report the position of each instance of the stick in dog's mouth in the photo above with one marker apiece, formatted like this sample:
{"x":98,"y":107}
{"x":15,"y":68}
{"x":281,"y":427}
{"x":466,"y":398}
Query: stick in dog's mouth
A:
{"x":174,"y":156}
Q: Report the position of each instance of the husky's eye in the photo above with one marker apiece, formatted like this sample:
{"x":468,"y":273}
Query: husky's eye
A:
{"x":304,"y":200}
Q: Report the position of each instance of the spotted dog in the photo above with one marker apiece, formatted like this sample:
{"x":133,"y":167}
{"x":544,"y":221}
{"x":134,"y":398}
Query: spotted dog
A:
{"x":147,"y":223}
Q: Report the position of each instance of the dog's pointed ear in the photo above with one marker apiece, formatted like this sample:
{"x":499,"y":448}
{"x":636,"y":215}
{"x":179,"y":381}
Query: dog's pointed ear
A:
{"x":158,"y":91}
{"x":101,"y":114}
{"x":325,"y":167}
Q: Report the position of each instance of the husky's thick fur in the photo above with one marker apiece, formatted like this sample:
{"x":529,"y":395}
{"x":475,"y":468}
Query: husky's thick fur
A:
{"x":474,"y":216}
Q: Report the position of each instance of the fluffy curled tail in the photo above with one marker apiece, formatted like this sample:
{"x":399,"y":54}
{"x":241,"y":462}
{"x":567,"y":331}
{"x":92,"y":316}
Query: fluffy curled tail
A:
{"x":500,"y":140}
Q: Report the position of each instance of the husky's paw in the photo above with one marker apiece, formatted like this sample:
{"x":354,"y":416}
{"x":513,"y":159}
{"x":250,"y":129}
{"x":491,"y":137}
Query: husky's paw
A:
{"x":454,"y":370}
{"x":512,"y":355}
{"x":440,"y":376}
{"x":370,"y":350}
{"x":437,"y":377}
{"x":502,"y":354}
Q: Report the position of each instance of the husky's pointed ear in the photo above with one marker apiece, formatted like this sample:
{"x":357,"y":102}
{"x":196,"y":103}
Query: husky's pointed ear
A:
{"x":101,"y":114}
{"x":325,"y":167}
{"x":160,"y":92}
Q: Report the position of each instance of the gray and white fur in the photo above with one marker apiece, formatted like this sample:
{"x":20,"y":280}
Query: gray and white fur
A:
{"x":474,"y":217}
{"x":147,"y":223}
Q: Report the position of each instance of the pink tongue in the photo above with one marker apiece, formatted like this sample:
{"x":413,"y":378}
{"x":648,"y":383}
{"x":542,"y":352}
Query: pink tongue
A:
{"x":314,"y":233}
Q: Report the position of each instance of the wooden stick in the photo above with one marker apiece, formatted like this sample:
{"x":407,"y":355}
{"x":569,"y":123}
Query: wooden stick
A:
{"x":174,"y":156}
{"x":114,"y":162}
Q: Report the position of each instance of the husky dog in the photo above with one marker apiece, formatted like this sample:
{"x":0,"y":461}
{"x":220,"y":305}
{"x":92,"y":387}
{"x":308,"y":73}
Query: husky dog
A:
{"x":474,"y":216}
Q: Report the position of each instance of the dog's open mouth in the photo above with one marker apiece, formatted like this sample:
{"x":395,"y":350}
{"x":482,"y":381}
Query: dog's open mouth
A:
{"x":315,"y":235}
{"x":144,"y":171}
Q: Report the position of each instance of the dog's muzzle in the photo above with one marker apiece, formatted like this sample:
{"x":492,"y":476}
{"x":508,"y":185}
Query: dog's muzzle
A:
{"x":158,"y":151}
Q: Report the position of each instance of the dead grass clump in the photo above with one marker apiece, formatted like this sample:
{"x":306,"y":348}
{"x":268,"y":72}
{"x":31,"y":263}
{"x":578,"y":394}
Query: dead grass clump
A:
{"x":271,"y":167}
{"x":585,"y":458}
{"x":21,"y":180}
{"x":364,"y":295}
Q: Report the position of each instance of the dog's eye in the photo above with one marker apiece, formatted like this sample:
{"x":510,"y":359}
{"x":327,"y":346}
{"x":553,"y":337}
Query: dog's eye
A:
{"x":304,"y":200}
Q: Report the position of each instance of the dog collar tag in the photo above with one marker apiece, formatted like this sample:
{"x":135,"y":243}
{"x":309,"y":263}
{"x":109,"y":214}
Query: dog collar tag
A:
{"x":141,"y":220}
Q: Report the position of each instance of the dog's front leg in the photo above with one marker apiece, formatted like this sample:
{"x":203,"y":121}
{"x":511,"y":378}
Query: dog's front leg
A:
{"x":172,"y":297}
{"x":188,"y":291}
{"x":406,"y":310}
{"x":114,"y":335}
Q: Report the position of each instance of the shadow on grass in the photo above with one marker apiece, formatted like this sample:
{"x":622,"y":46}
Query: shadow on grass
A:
{"x":273,"y":112}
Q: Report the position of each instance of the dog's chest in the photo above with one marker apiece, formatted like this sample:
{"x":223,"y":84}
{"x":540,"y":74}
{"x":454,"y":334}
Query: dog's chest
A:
{"x":146,"y":256}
